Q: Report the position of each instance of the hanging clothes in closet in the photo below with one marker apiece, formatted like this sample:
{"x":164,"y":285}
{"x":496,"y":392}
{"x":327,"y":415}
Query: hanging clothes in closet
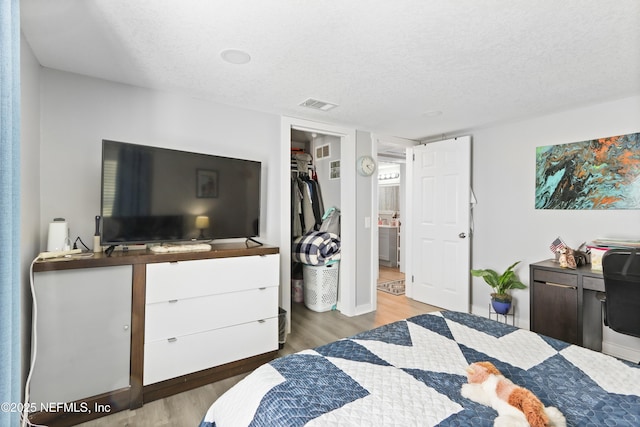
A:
{"x":307,"y":207}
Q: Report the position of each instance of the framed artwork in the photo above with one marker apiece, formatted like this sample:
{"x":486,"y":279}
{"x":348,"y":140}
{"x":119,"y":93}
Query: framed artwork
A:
{"x":596,"y":174}
{"x":334,"y":171}
{"x":206,"y":183}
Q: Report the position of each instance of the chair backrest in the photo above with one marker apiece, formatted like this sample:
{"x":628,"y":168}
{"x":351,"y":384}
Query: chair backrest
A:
{"x":621,"y":271}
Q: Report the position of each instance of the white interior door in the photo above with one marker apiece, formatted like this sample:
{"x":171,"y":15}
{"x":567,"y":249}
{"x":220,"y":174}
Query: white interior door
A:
{"x":440,"y":223}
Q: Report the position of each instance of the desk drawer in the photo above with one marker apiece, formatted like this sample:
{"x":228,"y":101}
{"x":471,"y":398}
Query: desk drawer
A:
{"x":553,"y":277}
{"x":554,"y":311}
{"x":593,"y":283}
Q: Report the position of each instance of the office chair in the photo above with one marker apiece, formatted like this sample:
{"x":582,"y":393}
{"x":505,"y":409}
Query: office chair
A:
{"x":621,"y":271}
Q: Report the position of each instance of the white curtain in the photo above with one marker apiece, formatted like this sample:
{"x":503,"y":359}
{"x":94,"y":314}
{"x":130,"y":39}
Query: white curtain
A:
{"x":9,"y":210}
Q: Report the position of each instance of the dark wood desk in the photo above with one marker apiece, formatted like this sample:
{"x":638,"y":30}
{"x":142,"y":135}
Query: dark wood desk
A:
{"x":564,"y":303}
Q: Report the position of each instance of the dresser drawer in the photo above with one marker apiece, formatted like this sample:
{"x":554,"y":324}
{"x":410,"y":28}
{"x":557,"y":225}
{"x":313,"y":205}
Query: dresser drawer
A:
{"x":167,"y":359}
{"x":191,"y":315}
{"x":188,"y":279}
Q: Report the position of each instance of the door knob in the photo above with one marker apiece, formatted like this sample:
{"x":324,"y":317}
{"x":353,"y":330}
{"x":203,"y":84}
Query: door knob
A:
{"x":462,"y":235}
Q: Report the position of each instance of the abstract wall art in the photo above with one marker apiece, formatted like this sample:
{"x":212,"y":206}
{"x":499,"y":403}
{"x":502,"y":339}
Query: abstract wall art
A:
{"x":596,"y":174}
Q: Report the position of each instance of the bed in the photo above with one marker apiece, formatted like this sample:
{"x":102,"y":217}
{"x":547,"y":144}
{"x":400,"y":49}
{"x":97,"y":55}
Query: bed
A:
{"x":410,"y":373}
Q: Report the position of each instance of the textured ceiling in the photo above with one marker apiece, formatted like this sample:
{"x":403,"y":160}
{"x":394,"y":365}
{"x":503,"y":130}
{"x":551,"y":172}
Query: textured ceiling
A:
{"x":387,"y":64}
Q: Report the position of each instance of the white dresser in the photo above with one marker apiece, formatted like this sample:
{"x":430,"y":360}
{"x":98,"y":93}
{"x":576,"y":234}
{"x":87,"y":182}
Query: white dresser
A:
{"x":205,"y":313}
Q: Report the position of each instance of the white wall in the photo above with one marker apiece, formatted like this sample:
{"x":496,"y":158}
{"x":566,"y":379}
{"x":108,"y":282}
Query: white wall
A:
{"x":78,"y":112}
{"x":366,"y":229}
{"x":507,"y":227}
{"x":29,"y":183}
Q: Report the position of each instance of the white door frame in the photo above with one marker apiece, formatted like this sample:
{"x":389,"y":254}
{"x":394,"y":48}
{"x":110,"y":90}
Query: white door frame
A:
{"x":347,"y":275}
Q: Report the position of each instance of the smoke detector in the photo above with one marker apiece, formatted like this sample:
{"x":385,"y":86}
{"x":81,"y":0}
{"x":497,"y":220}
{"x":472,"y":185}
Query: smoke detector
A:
{"x":235,"y":56}
{"x":317,"y":105}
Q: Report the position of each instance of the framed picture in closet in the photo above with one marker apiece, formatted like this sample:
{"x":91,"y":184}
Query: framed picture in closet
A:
{"x":334,"y":172}
{"x":206,"y":184}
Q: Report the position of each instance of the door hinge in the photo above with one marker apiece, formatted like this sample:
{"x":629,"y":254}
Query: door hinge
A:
{"x":414,"y":157}
{"x":412,"y":279}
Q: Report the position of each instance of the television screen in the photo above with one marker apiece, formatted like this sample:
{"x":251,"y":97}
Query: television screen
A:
{"x":157,"y":195}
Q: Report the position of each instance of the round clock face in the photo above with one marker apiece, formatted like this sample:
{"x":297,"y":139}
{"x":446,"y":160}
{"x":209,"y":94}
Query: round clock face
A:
{"x":366,"y":165}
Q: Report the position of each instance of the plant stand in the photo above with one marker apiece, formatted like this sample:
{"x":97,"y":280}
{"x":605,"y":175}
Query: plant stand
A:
{"x":504,"y":318}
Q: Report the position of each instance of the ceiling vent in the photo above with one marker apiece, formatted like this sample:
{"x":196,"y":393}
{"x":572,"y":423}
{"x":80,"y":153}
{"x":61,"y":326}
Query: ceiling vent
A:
{"x":318,"y":105}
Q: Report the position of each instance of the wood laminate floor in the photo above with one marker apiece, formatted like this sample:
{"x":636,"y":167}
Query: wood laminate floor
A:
{"x":309,"y":329}
{"x":388,"y":274}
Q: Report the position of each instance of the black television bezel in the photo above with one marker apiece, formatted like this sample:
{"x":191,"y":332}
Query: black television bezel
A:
{"x":175,"y":241}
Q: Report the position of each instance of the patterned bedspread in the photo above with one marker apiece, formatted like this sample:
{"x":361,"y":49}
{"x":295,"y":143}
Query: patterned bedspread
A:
{"x":410,"y":373}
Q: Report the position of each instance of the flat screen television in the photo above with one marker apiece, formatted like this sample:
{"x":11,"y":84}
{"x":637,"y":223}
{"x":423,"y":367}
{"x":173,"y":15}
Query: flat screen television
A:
{"x":159,"y":195}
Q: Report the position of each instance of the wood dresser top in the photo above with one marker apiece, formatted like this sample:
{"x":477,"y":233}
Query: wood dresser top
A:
{"x":85,"y":260}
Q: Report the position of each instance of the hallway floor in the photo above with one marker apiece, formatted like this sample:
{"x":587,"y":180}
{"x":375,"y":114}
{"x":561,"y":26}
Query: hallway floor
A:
{"x":388,"y":274}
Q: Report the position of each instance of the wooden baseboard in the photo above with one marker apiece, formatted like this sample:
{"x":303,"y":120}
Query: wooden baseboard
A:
{"x":54,"y":414}
{"x":197,"y":379}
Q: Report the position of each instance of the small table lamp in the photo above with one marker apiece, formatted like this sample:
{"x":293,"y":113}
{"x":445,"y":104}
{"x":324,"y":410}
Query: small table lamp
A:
{"x":202,"y":222}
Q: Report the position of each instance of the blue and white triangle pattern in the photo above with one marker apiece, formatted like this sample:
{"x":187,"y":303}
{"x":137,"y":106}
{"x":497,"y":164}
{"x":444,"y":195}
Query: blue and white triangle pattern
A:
{"x":410,"y":373}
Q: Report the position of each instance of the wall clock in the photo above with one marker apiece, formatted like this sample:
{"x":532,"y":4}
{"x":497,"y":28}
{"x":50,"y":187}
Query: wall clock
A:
{"x":366,"y":165}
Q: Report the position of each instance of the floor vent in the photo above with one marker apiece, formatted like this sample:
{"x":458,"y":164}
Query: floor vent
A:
{"x":318,"y":105}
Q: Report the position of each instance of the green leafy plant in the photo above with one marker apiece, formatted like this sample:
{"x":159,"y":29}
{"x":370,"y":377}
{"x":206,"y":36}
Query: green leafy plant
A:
{"x":501,"y":283}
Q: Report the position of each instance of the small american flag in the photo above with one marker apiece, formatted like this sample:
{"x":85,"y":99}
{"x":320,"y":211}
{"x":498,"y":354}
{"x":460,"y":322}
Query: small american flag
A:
{"x":557,"y":244}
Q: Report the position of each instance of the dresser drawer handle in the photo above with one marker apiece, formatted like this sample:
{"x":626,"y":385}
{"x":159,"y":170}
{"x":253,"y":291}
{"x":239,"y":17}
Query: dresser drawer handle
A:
{"x":173,"y":301}
{"x":560,"y":286}
{"x":173,"y":339}
{"x":261,"y":321}
{"x":262,"y":288}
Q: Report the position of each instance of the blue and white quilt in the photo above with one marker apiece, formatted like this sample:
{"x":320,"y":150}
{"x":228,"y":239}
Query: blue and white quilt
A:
{"x":409,"y":373}
{"x":316,"y":248}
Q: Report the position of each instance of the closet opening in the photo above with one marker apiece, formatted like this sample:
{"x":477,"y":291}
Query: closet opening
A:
{"x":315,"y":219}
{"x":391,"y":206}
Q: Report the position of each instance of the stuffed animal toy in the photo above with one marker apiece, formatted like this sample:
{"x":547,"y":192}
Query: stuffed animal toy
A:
{"x":516,"y":406}
{"x":567,"y":258}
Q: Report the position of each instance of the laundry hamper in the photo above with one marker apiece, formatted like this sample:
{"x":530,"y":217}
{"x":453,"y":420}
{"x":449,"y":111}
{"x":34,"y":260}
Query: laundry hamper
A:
{"x":321,"y":286}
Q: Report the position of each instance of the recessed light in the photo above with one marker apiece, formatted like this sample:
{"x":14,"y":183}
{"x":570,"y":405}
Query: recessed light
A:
{"x":432,"y":113}
{"x":235,"y":56}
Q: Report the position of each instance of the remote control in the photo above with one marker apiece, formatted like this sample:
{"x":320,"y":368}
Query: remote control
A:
{"x":58,"y":254}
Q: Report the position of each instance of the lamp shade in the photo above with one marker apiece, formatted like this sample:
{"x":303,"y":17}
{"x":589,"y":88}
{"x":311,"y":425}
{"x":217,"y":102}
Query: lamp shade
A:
{"x":202,"y":221}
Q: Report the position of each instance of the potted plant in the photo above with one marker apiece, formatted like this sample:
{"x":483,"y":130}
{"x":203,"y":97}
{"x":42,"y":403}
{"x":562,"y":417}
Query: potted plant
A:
{"x":501,"y":285}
